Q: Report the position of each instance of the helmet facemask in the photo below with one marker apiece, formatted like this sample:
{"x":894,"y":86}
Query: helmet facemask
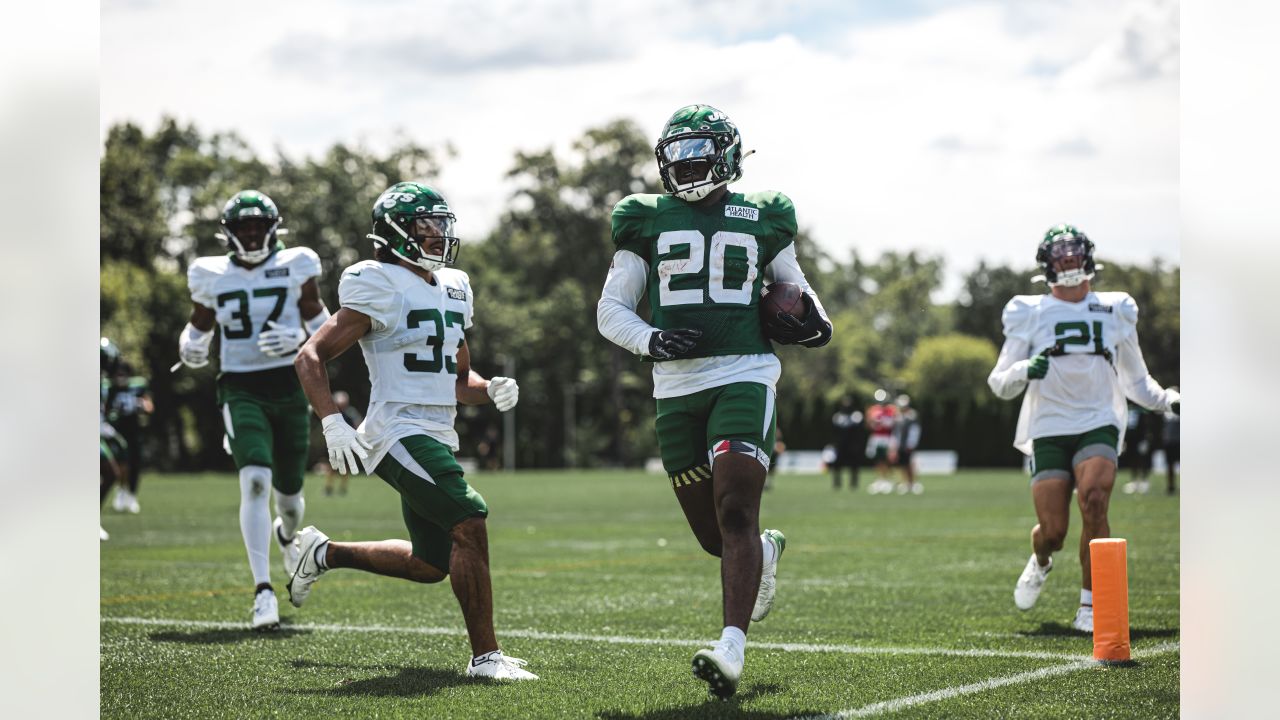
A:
{"x":418,"y":234}
{"x":268,"y":245}
{"x":694,"y":164}
{"x":1066,"y":257}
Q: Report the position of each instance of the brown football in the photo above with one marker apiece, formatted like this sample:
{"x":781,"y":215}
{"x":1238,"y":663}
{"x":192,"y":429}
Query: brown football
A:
{"x":780,"y":297}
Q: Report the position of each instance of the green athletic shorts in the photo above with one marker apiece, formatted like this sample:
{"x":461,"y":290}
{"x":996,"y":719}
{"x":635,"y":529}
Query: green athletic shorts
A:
{"x":1058,"y":455}
{"x":267,"y":422}
{"x":434,"y":497}
{"x":692,"y":429}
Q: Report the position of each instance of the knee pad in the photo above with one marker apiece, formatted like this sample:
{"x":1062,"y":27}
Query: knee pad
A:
{"x":290,"y":509}
{"x":255,"y":480}
{"x":740,"y":447}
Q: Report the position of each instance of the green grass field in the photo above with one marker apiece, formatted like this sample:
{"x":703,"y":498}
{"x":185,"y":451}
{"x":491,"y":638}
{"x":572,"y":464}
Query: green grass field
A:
{"x":893,"y":606}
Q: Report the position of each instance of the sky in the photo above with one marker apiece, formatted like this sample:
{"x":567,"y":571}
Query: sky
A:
{"x":959,"y":128}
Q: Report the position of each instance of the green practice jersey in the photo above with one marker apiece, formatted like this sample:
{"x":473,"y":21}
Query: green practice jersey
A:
{"x":706,"y":262}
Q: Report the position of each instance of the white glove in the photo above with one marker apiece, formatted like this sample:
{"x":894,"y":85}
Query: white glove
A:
{"x":280,"y":340}
{"x":504,"y":392}
{"x":344,"y":443}
{"x":193,"y":346}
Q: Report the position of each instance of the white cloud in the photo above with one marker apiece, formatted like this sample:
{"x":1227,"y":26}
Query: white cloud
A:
{"x":964,"y":131}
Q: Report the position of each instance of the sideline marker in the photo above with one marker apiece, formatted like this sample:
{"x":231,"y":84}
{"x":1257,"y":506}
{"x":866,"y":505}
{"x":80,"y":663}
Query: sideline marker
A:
{"x":1110,"y":572}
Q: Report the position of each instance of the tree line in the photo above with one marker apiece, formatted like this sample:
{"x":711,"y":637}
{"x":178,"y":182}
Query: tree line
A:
{"x":537,"y":276}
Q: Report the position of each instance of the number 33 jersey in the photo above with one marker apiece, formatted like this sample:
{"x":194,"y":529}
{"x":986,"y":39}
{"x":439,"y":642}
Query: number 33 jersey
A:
{"x":246,"y":298}
{"x":417,"y":329}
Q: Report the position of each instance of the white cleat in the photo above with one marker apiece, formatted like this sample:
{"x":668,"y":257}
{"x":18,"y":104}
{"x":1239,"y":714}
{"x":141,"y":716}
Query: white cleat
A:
{"x":131,"y":504}
{"x":768,"y":576}
{"x":119,"y":503}
{"x":720,"y":668}
{"x":1027,"y":591}
{"x":266,"y":611}
{"x":1084,"y":619}
{"x":917,"y":489}
{"x":497,"y":666}
{"x":103,"y":535}
{"x":308,"y":570}
{"x":289,"y":550}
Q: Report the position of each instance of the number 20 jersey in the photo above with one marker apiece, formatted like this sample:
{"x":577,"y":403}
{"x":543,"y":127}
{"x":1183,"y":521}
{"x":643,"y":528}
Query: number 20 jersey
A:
{"x":1082,"y":390}
{"x":706,"y":263}
{"x":245,"y":298}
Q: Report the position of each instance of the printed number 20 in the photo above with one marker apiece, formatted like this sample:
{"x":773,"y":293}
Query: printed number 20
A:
{"x":672,"y":268}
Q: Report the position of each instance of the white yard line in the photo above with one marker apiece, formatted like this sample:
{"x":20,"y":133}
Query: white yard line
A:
{"x":613,"y":639}
{"x":902,"y":703}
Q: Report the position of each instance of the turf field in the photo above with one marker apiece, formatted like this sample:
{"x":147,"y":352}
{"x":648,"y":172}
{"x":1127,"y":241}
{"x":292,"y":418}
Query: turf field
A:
{"x":892,"y":606}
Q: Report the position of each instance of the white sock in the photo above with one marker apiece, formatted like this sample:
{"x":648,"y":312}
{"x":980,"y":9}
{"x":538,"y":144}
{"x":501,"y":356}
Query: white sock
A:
{"x":1086,"y":597}
{"x":255,"y":520}
{"x":290,"y":509}
{"x":769,"y":551}
{"x":736,"y":639}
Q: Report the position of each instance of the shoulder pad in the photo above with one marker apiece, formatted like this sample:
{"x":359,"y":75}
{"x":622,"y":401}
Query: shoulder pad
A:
{"x":1017,"y":315}
{"x":638,"y":204}
{"x":304,"y":258}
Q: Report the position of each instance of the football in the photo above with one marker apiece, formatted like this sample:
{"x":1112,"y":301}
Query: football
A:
{"x":780,"y":297}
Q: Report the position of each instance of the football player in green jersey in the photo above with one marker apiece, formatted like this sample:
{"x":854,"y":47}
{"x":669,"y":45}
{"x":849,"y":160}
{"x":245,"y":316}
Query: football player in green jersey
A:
{"x":703,"y":254}
{"x":261,"y":294}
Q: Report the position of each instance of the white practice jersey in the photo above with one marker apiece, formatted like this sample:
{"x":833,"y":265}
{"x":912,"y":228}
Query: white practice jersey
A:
{"x":246,"y":298}
{"x":1086,"y":386}
{"x":411,"y":350}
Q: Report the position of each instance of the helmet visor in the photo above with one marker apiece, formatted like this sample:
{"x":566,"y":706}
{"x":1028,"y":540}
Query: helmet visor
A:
{"x":689,"y":149}
{"x":1068,"y":253}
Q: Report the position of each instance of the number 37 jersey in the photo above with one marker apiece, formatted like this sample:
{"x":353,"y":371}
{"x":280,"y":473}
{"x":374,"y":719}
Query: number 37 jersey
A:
{"x":246,"y":299}
{"x":417,"y":329}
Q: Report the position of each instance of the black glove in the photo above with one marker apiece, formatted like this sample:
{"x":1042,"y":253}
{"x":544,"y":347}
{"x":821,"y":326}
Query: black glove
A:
{"x":811,"y":332}
{"x":671,"y":344}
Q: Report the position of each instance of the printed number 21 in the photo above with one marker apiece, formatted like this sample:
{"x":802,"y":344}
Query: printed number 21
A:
{"x":1077,"y":333}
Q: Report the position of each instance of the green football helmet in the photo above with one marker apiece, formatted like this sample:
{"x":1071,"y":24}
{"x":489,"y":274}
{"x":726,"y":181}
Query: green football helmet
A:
{"x":409,"y":215}
{"x":698,"y":151}
{"x":1065,"y":256}
{"x":246,"y":214}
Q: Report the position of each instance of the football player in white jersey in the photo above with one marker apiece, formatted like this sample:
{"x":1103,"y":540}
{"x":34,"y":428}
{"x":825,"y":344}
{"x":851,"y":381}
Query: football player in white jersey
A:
{"x":261,"y":294}
{"x":1076,"y":353}
{"x":408,"y":310}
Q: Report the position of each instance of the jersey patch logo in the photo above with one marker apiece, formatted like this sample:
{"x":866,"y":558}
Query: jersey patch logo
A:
{"x":744,"y":213}
{"x":277,"y":272}
{"x":456,"y":294}
{"x":1099,"y":307}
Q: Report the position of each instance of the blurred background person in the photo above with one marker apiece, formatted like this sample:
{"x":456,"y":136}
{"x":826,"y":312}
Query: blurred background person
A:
{"x":882,"y":417}
{"x":906,"y":436}
{"x":353,"y":418}
{"x":849,"y":442}
{"x":1172,"y":455}
{"x":1141,"y":437}
{"x":128,"y":399}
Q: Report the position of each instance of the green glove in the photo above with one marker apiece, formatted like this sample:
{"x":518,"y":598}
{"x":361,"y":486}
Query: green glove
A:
{"x":1038,"y":368}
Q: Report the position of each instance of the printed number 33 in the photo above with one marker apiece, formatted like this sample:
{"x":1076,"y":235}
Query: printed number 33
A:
{"x":439,"y":359}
